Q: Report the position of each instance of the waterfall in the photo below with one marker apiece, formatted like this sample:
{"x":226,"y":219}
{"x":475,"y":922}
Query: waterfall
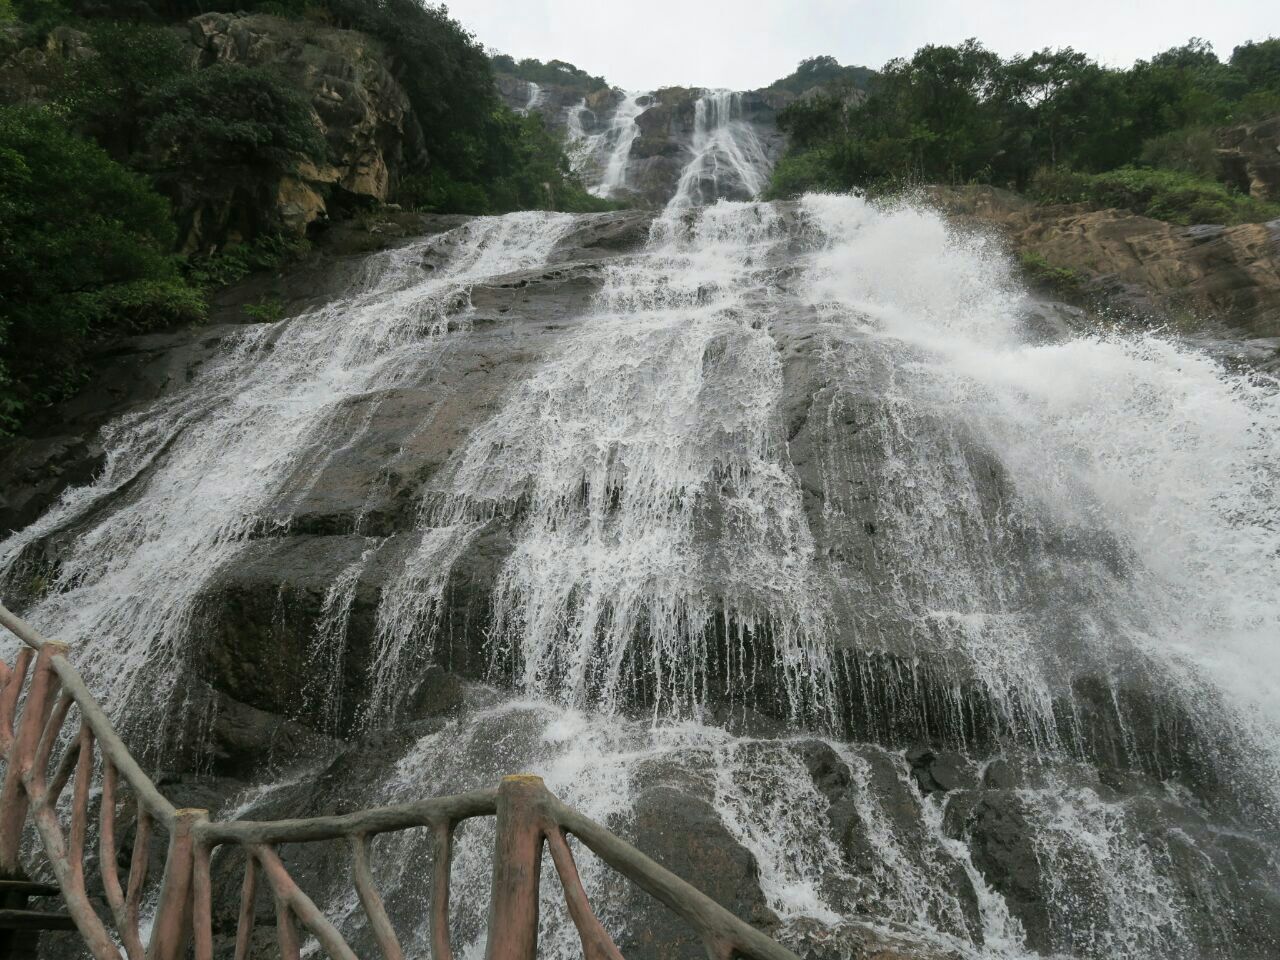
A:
{"x":1159,"y":463}
{"x":954,"y":632}
{"x":536,"y":96}
{"x":616,"y":145}
{"x":603,"y":157}
{"x":188,"y":482}
{"x":727,"y":158}
{"x":662,"y":513}
{"x":724,"y":157}
{"x":659,"y":414}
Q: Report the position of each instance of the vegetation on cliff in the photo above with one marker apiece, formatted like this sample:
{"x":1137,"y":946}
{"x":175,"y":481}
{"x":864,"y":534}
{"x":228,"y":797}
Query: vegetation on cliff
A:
{"x":824,"y":73}
{"x":552,"y":73}
{"x":116,"y":146}
{"x":85,"y":249}
{"x":963,"y":114}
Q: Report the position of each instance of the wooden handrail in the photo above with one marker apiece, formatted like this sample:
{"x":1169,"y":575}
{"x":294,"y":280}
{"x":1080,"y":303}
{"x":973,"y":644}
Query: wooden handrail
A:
{"x":529,"y":817}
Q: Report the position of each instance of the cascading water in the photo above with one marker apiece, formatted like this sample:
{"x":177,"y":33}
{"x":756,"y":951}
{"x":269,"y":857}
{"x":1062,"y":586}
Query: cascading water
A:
{"x":189,"y":482}
{"x":958,"y":635}
{"x":727,"y":157}
{"x":615,"y":145}
{"x":660,"y":517}
{"x":670,"y":392}
{"x":536,"y":96}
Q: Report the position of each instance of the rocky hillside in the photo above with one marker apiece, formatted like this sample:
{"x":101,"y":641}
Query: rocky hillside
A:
{"x":585,"y":111}
{"x":369,"y":129}
{"x":1210,"y":279}
{"x":666,"y":138}
{"x":1249,"y":154}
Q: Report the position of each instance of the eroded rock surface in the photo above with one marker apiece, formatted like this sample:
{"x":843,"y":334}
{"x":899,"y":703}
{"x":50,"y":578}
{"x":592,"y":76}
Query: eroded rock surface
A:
{"x":1208,"y":277}
{"x":1250,"y":157}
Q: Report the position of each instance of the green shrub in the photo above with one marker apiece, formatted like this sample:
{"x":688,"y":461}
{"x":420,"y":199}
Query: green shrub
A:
{"x":805,"y":172}
{"x":1063,"y":281}
{"x":1256,"y":105}
{"x":266,"y":310}
{"x":1192,"y":150}
{"x":237,"y":261}
{"x":209,"y":123}
{"x":84,"y":252}
{"x":1162,"y":194}
{"x":520,"y":165}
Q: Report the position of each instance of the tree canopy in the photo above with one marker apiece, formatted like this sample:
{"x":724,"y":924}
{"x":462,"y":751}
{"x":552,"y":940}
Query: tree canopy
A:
{"x":962,"y":113}
{"x":85,"y":250}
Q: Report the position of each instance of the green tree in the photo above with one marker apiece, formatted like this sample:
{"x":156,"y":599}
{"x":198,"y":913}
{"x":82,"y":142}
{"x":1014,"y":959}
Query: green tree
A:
{"x":104,"y":94}
{"x":558,"y":72}
{"x":84,"y":251}
{"x":824,"y":73}
{"x":961,"y":113}
{"x":213,"y":121}
{"x":1258,"y":64}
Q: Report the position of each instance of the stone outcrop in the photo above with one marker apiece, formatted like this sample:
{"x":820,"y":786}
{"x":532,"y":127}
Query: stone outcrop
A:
{"x":369,"y":128}
{"x":664,"y":144}
{"x":551,"y":101}
{"x":29,"y":70}
{"x":1249,"y":155}
{"x":1206,"y":278}
{"x":363,"y":112}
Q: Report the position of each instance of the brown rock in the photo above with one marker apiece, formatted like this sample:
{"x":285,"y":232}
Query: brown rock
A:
{"x":1202,"y":277}
{"x":1250,"y":157}
{"x":357,"y":103}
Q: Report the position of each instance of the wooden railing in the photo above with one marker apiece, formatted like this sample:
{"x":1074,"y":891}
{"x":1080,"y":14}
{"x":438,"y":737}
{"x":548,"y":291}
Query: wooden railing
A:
{"x":528,"y":817}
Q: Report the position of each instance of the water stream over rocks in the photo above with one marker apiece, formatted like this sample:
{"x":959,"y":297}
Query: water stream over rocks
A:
{"x":775,"y":536}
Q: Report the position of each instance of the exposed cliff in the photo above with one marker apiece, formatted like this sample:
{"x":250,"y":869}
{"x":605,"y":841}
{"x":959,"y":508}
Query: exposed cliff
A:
{"x":368,"y":128}
{"x":1206,"y":278}
{"x":1250,"y":157}
{"x":364,"y":114}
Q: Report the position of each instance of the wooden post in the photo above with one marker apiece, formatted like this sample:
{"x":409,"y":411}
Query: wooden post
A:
{"x":26,"y":740}
{"x":517,"y":867}
{"x":173,"y":912}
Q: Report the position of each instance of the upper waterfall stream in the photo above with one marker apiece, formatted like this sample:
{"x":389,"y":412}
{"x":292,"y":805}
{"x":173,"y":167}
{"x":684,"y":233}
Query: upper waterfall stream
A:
{"x":784,"y":523}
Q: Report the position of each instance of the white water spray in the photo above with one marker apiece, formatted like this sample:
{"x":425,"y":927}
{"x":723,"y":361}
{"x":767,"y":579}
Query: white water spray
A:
{"x":727,"y":158}
{"x":188,"y":482}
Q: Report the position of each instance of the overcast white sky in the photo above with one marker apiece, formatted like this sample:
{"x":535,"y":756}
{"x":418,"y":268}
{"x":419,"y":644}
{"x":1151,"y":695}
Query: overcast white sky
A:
{"x":655,"y":43}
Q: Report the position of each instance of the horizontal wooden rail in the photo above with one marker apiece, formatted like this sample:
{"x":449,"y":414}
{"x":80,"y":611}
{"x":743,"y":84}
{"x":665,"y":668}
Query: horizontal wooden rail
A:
{"x":529,"y":817}
{"x":420,"y":813}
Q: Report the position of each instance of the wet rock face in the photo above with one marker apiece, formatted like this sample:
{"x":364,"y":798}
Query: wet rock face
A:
{"x":61,"y":448}
{"x":685,"y":835}
{"x":928,"y":803}
{"x":666,"y":138}
{"x":549,"y":99}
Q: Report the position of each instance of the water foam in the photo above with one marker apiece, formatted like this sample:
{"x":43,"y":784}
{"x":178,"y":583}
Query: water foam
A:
{"x":188,"y":482}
